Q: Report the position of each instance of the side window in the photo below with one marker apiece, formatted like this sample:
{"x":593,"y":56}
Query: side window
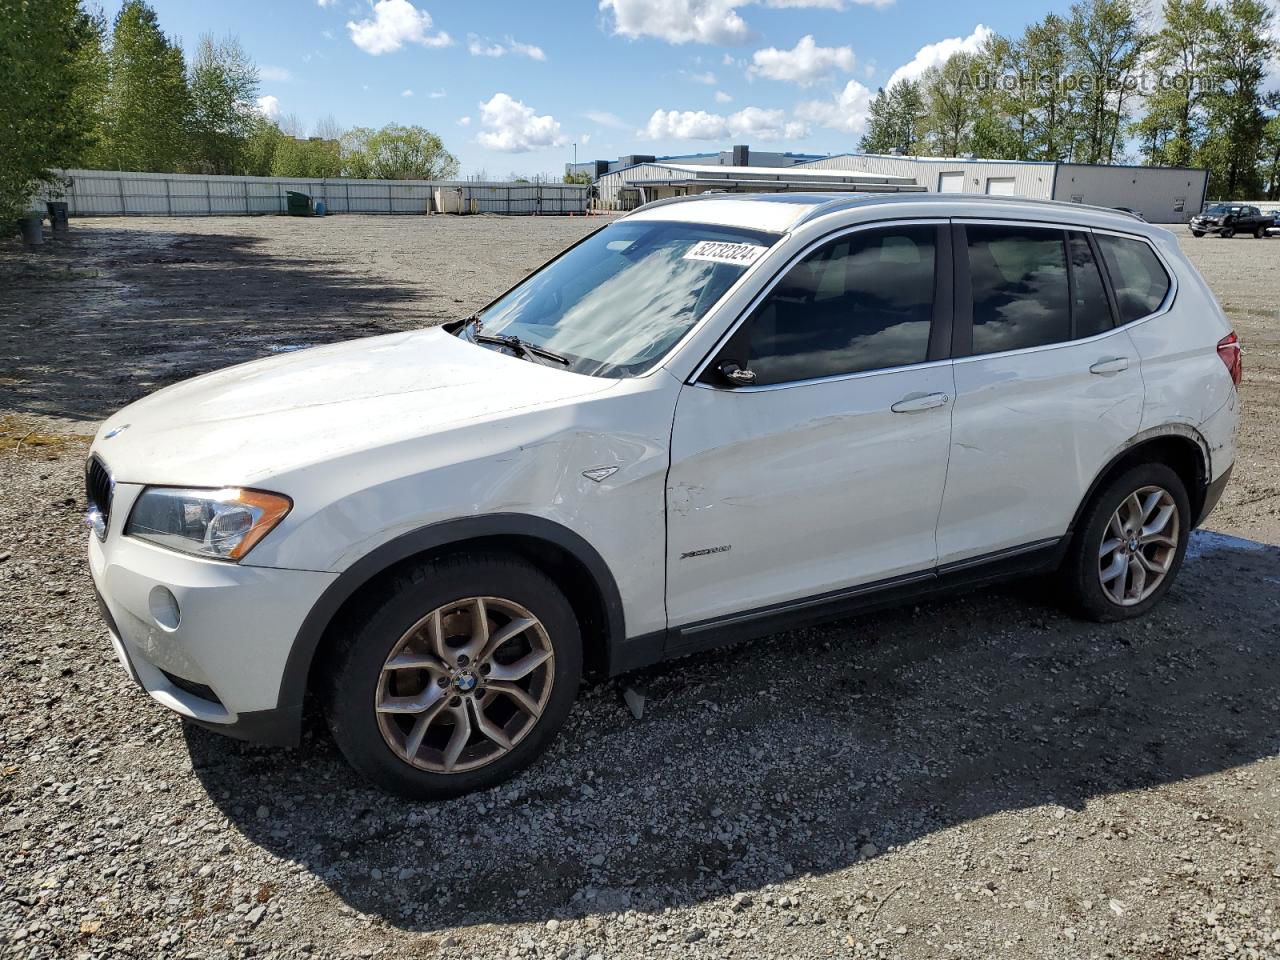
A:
{"x":1090,"y":312}
{"x":861,"y":302}
{"x":1136,"y":275}
{"x":1018,"y":277}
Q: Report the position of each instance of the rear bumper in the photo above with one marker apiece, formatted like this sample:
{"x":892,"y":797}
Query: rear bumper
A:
{"x":1213,"y":493}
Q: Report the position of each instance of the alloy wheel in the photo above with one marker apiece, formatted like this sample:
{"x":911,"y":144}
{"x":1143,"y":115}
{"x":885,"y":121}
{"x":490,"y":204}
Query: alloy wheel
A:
{"x":465,"y":684}
{"x":1138,"y":546}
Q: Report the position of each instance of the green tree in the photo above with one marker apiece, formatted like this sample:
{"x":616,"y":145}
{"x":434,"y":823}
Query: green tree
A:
{"x":1172,"y":124}
{"x":313,"y":159}
{"x":951,"y":96}
{"x":224,"y":88}
{"x":879,"y":134}
{"x":260,"y":147}
{"x":397,"y":153}
{"x":1270,"y":158}
{"x":44,"y":118}
{"x":1043,"y":54}
{"x":1239,"y":51}
{"x":148,"y":102}
{"x":1105,"y":42}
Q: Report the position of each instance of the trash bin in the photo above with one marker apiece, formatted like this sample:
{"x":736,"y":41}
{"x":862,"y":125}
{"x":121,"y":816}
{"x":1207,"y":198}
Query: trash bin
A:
{"x":58,"y":215}
{"x":32,"y":227}
{"x":320,"y":208}
{"x":299,"y":204}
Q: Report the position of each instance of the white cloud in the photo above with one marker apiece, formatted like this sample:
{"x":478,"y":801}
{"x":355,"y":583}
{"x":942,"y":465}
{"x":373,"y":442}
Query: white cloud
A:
{"x":327,"y":3}
{"x":406,"y":93}
{"x":513,"y":127}
{"x":484,"y":47}
{"x":464,"y":121}
{"x":707,"y":78}
{"x":699,"y":21}
{"x":437,"y":94}
{"x":722,"y":97}
{"x":700,"y":125}
{"x":805,"y":64}
{"x":327,"y":34}
{"x":936,"y":54}
{"x":846,"y":111}
{"x":269,"y":107}
{"x":393,"y":24}
{"x":274,"y":74}
{"x":606,"y":119}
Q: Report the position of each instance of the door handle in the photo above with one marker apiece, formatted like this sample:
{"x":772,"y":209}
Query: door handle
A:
{"x":916,"y":402}
{"x":1114,"y":365}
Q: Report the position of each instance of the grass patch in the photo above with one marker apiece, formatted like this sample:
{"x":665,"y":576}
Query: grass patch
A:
{"x":23,"y":437}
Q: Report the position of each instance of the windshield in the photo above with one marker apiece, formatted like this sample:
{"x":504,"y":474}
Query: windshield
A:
{"x":618,"y":301}
{"x":1219,"y":209}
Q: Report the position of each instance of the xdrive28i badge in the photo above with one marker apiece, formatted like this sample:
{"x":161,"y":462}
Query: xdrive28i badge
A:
{"x":706,"y":551}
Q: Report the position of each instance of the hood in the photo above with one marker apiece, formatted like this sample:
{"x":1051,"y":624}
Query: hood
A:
{"x":246,"y":423}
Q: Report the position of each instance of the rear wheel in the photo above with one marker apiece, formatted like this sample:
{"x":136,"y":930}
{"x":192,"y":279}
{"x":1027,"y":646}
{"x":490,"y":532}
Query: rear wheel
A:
{"x":1227,"y":233}
{"x":455,"y":676}
{"x":1130,"y":544}
{"x":1260,"y":233}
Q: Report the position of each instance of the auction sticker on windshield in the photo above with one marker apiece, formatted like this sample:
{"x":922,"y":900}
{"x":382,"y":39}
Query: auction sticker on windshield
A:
{"x":720,"y":251}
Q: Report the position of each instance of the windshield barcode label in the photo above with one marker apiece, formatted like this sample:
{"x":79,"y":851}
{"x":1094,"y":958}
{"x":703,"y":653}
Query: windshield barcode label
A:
{"x":717,"y":251}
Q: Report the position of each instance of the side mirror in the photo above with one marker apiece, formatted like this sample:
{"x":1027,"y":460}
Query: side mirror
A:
{"x":736,"y":374}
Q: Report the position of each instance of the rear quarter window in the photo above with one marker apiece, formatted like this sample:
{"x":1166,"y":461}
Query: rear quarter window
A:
{"x":1139,"y":279}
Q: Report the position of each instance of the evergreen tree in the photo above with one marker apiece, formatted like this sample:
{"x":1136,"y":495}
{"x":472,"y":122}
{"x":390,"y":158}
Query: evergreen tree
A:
{"x":148,"y":102}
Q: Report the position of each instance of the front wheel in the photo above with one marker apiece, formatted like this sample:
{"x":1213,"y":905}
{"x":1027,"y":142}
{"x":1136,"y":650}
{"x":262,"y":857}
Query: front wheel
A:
{"x":1129,"y":545}
{"x":454,"y":676}
{"x":1197,"y":233}
{"x":1227,"y":233}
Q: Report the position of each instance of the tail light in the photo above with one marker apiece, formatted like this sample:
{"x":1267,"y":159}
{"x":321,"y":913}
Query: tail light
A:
{"x":1229,"y":351}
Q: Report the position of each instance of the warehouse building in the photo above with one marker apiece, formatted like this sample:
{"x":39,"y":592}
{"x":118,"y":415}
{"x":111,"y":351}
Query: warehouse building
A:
{"x":1160,"y":194}
{"x":629,"y":187}
{"x":739,"y":156}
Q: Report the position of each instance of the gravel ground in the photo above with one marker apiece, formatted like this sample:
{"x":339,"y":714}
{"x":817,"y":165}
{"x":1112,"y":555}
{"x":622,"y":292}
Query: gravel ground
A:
{"x":974,"y":777}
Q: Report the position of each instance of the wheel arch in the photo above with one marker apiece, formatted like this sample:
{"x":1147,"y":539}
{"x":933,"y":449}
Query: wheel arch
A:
{"x":1179,"y":446}
{"x":553,"y":548}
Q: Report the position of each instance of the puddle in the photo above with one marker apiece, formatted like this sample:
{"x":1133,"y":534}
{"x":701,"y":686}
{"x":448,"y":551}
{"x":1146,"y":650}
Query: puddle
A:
{"x":1204,"y":542}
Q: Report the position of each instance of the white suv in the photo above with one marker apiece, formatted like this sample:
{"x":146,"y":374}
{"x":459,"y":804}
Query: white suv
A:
{"x":710,"y":420}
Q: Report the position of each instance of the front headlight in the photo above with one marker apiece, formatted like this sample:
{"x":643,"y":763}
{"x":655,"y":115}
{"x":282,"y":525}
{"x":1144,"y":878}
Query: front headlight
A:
{"x":220,"y":524}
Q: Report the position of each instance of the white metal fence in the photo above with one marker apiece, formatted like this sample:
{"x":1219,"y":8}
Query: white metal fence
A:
{"x":113,"y":194}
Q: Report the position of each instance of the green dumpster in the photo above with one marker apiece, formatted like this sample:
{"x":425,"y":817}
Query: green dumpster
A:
{"x":299,"y":204}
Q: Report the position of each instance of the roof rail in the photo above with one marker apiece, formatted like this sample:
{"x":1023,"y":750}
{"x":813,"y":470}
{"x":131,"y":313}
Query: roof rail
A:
{"x":865,"y":199}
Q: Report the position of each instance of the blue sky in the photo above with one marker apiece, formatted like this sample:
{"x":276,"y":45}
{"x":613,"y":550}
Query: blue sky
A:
{"x":511,"y":86}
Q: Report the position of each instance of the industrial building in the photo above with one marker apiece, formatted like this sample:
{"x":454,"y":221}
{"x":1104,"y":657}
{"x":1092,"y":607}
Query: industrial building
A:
{"x":1161,"y":194}
{"x":629,"y":187}
{"x":739,"y":156}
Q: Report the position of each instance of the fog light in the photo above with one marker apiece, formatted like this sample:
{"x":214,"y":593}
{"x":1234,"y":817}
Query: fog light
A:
{"x":164,"y":608}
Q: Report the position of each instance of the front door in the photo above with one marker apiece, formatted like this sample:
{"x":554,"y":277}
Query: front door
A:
{"x":819,"y":464}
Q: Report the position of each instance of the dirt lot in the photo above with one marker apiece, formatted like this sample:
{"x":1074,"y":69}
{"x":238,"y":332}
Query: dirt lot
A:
{"x":975,"y":777}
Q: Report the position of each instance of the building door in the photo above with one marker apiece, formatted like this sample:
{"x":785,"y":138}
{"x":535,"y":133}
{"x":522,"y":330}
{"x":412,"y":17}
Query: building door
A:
{"x":1001,"y":187}
{"x":951,"y":183}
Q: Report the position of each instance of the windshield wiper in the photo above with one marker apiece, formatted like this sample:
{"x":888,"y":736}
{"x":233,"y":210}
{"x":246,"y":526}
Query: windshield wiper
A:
{"x":527,"y":350}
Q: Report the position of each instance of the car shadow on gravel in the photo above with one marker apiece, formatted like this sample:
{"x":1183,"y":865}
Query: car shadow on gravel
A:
{"x":805,"y":752}
{"x":98,"y":320}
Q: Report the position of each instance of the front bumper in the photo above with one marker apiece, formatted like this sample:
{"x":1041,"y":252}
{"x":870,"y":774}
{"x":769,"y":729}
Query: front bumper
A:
{"x":222,"y":664}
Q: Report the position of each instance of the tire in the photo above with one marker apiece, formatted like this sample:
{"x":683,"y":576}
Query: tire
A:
{"x":1083,"y":569}
{"x":1197,"y":233}
{"x":431,"y":607}
{"x":1260,"y":233}
{"x":1227,"y":233}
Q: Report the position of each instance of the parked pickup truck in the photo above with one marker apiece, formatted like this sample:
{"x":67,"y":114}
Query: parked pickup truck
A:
{"x":1228,"y":219}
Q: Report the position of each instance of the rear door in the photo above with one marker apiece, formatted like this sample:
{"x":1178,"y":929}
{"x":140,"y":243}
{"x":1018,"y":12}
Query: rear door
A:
{"x":826,"y":470}
{"x":1047,"y":388}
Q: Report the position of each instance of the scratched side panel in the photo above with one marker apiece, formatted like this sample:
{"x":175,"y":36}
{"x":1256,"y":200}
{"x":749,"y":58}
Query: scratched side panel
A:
{"x":530,"y":463}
